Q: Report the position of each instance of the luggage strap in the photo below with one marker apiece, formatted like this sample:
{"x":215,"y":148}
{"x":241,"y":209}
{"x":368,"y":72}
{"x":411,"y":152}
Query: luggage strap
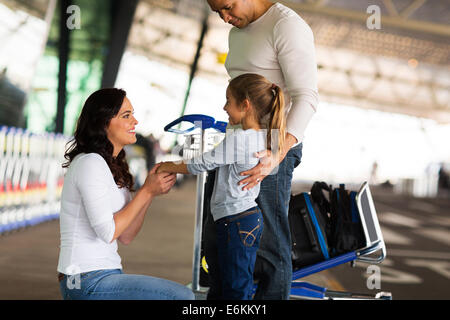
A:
{"x":322,"y":243}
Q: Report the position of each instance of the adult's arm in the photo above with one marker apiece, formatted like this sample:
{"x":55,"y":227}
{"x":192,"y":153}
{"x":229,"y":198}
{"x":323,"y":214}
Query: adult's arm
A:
{"x":294,"y":43}
{"x":93,"y":180}
{"x":129,"y":220}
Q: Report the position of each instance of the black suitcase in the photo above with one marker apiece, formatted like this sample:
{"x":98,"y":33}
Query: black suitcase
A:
{"x":346,"y":229}
{"x":343,"y":226}
{"x":309,"y":240}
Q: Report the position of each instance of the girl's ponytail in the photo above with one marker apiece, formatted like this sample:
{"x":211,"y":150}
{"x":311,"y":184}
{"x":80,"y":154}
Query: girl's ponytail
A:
{"x":277,"y":121}
{"x":268,"y":100}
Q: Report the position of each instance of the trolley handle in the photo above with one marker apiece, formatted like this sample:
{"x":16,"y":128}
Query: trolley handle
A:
{"x":363,"y":254}
{"x":220,"y":126}
{"x":199,"y":121}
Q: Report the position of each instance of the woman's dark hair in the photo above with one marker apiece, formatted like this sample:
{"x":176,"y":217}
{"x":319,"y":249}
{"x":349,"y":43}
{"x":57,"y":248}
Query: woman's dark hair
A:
{"x":90,"y":133}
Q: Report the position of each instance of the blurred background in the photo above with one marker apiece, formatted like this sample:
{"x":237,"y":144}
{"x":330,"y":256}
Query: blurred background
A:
{"x":383,"y":117}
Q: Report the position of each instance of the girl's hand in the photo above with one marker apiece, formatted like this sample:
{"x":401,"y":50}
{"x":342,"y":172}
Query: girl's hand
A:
{"x":267,"y":163}
{"x":159,"y":183}
{"x":173,"y":167}
{"x":160,"y":167}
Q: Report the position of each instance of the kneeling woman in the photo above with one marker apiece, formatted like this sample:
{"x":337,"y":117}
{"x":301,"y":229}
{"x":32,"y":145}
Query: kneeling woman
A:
{"x":97,"y":209}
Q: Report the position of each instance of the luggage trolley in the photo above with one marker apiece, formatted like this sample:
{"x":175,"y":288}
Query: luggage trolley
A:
{"x":200,"y":138}
{"x":374,"y":252}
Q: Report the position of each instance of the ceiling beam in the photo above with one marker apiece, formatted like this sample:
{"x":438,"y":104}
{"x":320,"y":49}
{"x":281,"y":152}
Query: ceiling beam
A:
{"x":416,"y":4}
{"x":436,"y":29}
{"x":390,"y":8}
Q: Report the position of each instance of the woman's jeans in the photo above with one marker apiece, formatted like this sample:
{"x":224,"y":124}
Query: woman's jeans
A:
{"x":113,"y":284}
{"x":237,"y":242}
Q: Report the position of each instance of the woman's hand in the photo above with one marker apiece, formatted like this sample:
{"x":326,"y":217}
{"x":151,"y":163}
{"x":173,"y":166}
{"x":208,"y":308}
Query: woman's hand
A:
{"x":159,"y":183}
{"x":268,"y":161}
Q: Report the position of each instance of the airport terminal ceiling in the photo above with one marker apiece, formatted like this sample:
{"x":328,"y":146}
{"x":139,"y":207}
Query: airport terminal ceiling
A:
{"x":402,"y":67}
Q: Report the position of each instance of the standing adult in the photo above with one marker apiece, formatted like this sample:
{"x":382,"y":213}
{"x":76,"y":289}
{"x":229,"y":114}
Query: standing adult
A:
{"x":97,"y":209}
{"x":274,"y":41}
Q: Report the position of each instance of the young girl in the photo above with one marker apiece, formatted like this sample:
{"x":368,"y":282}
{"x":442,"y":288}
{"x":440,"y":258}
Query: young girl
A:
{"x":251,"y":101}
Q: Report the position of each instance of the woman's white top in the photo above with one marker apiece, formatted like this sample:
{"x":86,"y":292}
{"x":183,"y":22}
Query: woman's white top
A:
{"x":89,"y":200}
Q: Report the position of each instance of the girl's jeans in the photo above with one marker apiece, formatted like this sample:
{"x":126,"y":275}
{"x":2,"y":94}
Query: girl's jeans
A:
{"x":238,"y":239}
{"x":273,"y":266}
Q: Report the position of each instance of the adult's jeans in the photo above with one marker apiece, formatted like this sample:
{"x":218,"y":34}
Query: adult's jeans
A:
{"x":113,"y":284}
{"x":238,"y":239}
{"x":273,"y":268}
